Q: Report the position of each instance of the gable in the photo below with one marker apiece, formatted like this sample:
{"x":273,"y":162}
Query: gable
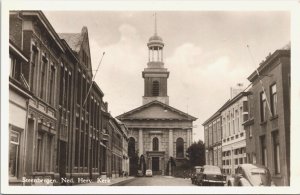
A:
{"x":84,"y":53}
{"x":157,"y":111}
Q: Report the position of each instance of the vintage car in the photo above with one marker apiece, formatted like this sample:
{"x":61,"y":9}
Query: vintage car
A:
{"x":210,"y":175}
{"x":148,"y":173}
{"x":251,"y":175}
{"x":139,"y":173}
{"x":195,"y":172}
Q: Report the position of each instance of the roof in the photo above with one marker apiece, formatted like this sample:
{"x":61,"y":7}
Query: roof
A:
{"x":47,"y":25}
{"x":74,"y":40}
{"x":226,"y":105}
{"x":216,"y":114}
{"x":269,"y":61}
{"x":232,"y":101}
{"x":187,"y":116}
{"x":155,"y":38}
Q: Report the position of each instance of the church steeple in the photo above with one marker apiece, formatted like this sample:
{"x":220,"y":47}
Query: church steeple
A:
{"x":155,"y":45}
{"x":155,"y":75}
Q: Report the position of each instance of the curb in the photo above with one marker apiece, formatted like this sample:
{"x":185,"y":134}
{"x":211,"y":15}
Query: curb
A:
{"x":123,"y":182}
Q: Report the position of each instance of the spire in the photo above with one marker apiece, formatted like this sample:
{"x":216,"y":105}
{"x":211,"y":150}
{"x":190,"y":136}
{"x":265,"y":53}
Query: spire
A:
{"x":155,"y":24}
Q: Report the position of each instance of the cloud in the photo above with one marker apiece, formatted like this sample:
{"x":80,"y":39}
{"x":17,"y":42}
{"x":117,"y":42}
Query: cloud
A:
{"x":119,"y":75}
{"x":196,"y":82}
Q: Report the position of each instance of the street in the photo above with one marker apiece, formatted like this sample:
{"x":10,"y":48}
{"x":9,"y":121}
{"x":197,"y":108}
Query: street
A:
{"x":158,"y":181}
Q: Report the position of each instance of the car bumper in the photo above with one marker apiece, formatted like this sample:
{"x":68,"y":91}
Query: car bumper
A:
{"x":213,"y":181}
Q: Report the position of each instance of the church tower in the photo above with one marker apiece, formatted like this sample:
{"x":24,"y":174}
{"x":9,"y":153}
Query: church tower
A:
{"x":155,"y":75}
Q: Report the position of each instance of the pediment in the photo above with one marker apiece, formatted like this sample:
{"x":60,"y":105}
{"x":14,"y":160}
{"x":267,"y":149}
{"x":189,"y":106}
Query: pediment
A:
{"x":157,"y":111}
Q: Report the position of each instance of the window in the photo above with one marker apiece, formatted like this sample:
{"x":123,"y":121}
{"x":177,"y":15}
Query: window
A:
{"x":34,"y":62}
{"x":179,"y":148}
{"x":250,"y":131}
{"x":78,"y":87}
{"x":43,"y":76}
{"x":131,"y":147}
{"x":233,"y":122}
{"x":51,"y":84}
{"x":39,"y":152}
{"x":274,"y":100}
{"x":237,"y":120}
{"x":83,"y":89}
{"x":70,"y":87}
{"x":14,"y":153}
{"x":241,"y":161}
{"x":15,"y":68}
{"x":276,"y":152}
{"x":229,"y":133}
{"x":77,"y":142}
{"x":65,"y":88}
{"x":263,"y":105}
{"x":263,"y":150}
{"x":155,"y":144}
{"x":155,"y":88}
{"x":82,"y":146}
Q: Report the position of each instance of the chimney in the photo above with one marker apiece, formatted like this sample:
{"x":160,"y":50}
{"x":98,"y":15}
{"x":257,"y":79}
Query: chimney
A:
{"x":234,"y":91}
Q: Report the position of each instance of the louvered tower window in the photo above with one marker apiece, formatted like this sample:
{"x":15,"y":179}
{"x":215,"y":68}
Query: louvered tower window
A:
{"x":155,"y":88}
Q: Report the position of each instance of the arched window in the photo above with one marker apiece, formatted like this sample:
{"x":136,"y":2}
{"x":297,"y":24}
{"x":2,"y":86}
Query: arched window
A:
{"x":155,"y":144}
{"x":131,"y":147}
{"x":155,"y":88}
{"x":179,"y":148}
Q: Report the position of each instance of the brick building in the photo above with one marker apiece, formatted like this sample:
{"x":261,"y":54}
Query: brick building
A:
{"x":268,"y":130}
{"x":19,"y":96}
{"x":31,"y":32}
{"x":58,"y":120}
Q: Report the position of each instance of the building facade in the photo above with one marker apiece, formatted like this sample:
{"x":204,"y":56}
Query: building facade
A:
{"x":19,"y":96}
{"x":233,"y":113}
{"x":213,"y":140}
{"x":58,"y":120}
{"x":157,"y":131}
{"x":32,"y":33}
{"x":268,"y":123}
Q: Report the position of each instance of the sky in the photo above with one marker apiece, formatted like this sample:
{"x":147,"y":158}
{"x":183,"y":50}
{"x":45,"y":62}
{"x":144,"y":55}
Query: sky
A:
{"x":205,"y":52}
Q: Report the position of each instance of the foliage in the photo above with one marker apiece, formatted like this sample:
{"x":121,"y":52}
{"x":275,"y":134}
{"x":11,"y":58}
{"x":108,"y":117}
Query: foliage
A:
{"x":196,"y":154}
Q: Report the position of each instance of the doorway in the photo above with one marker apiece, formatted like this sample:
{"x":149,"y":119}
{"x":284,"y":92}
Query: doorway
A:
{"x":155,"y":164}
{"x":62,"y":158}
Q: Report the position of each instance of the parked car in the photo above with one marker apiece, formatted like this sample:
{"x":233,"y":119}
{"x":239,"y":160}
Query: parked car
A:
{"x":210,"y":175}
{"x":139,"y":173}
{"x":195,"y":171}
{"x":251,"y":175}
{"x":148,"y":173}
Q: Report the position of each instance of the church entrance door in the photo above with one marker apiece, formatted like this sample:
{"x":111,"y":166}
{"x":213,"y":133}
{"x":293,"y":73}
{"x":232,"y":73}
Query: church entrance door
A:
{"x":155,"y":165}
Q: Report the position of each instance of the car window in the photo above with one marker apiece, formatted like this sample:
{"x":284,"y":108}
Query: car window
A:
{"x":212,"y":169}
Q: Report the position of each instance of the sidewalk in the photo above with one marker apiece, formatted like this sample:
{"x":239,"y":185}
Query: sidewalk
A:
{"x":109,"y":182}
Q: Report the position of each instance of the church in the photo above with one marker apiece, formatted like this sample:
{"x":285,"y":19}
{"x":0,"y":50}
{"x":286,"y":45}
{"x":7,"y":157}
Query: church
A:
{"x":159,"y":133}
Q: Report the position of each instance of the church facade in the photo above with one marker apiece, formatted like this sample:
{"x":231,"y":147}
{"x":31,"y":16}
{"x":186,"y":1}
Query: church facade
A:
{"x":158,"y":133}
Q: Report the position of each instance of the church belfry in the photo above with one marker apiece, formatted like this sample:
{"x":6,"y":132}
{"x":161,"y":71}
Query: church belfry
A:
{"x":155,"y":75}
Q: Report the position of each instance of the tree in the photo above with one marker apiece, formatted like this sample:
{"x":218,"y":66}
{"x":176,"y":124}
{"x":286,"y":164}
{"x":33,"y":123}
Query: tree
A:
{"x":196,"y":154}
